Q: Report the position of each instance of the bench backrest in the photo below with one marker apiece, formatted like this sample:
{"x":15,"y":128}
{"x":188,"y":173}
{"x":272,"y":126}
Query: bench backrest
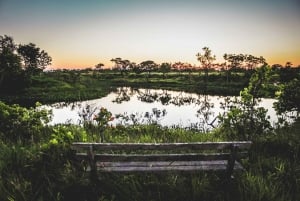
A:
{"x":195,"y":146}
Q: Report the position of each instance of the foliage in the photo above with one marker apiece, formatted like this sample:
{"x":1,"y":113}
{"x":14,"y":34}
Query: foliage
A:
{"x":64,"y":135}
{"x":289,"y":98}
{"x":103,"y":117}
{"x":14,"y":75}
{"x":10,"y":64}
{"x":47,"y":169}
{"x":261,"y":83}
{"x":243,"y":119}
{"x":35,"y":60}
{"x":97,"y":123}
{"x":18,"y":124}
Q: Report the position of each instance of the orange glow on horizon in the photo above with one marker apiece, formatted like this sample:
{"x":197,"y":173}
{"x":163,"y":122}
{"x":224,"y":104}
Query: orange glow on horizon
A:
{"x":81,"y":63}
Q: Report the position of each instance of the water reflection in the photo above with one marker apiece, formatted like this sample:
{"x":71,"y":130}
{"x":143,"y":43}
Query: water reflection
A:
{"x":168,"y":108}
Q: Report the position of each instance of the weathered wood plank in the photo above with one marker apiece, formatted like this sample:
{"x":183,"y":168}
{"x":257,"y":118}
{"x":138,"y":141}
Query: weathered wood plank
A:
{"x":161,"y":157}
{"x":163,"y":146}
{"x":155,"y":166}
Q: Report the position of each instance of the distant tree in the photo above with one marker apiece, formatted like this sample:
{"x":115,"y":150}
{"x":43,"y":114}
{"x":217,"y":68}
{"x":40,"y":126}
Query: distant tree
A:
{"x":288,"y":64}
{"x":177,"y":66}
{"x":206,"y":59}
{"x":165,"y":68}
{"x":34,"y":59}
{"x":233,"y":62}
{"x":148,"y":66}
{"x":121,"y":65}
{"x":135,"y":68}
{"x":276,"y":66}
{"x":288,"y":73}
{"x":99,"y":66}
{"x":10,"y":62}
{"x":253,"y":62}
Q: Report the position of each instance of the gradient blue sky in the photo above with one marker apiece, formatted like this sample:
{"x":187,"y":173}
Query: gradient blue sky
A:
{"x":79,"y":33}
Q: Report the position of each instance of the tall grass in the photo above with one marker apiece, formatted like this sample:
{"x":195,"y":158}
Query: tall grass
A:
{"x":48,"y":169}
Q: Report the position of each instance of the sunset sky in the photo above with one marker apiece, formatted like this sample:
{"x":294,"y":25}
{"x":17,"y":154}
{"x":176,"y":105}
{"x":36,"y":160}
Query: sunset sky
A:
{"x":79,"y":34}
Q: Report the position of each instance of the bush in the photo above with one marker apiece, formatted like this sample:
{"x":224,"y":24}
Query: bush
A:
{"x":19,"y":124}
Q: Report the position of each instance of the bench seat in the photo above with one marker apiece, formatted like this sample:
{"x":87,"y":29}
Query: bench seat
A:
{"x":163,"y":166}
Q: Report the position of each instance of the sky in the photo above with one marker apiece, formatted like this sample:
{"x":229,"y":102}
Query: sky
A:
{"x":80,"y":34}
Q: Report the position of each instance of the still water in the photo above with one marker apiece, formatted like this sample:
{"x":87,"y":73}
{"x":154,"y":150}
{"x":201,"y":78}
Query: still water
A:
{"x":168,"y":108}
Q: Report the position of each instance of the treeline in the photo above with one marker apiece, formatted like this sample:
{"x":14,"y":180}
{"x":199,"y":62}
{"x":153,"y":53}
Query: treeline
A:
{"x":25,"y":79}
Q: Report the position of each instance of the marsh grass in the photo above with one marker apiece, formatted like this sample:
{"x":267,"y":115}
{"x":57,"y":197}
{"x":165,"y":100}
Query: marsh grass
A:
{"x":50,"y":171}
{"x":47,"y":168}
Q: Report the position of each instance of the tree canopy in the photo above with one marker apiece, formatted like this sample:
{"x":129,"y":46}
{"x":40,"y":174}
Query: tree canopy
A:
{"x":19,"y":62}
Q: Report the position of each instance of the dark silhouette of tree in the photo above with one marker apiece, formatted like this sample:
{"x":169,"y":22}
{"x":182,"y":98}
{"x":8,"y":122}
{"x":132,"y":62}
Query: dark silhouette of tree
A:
{"x":206,"y":59}
{"x":165,"y":68}
{"x":147,"y":96}
{"x":135,"y":68}
{"x":253,"y":62}
{"x":122,"y":65}
{"x":99,"y":66}
{"x":34,"y":59}
{"x":287,"y":73}
{"x":148,"y":66}
{"x":288,"y":64}
{"x":233,"y":62}
{"x":10,"y":63}
{"x":276,"y":67}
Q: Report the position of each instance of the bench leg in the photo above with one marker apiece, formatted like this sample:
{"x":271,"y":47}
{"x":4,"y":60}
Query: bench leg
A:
{"x":231,"y":162}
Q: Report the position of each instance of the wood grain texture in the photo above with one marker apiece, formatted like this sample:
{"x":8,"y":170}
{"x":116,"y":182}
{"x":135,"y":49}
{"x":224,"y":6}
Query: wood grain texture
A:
{"x":163,"y":146}
{"x":154,"y":166}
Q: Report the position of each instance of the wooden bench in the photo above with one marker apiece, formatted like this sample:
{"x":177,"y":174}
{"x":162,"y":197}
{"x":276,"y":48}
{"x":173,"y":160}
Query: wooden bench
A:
{"x":161,"y":157}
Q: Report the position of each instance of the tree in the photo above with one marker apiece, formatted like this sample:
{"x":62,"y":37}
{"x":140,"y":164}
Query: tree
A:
{"x":135,"y":68}
{"x":206,"y":60}
{"x":10,"y":62}
{"x":18,"y":124}
{"x":148,"y":66}
{"x":287,"y":73}
{"x":253,"y":62}
{"x":34,"y":59}
{"x":99,"y":66}
{"x":165,"y":68}
{"x":235,"y":61}
{"x":289,"y":98}
{"x":244,"y":119}
{"x":121,"y":65}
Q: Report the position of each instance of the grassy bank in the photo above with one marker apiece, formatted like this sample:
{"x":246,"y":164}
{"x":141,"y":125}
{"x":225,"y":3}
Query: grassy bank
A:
{"x":71,"y":86}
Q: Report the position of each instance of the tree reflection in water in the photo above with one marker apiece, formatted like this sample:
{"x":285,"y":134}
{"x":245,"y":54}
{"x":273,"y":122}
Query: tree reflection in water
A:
{"x":166,"y":98}
{"x":123,"y":94}
{"x":135,"y":106}
{"x":153,"y":117}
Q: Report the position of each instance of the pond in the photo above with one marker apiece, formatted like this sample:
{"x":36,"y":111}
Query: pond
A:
{"x":168,"y":108}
